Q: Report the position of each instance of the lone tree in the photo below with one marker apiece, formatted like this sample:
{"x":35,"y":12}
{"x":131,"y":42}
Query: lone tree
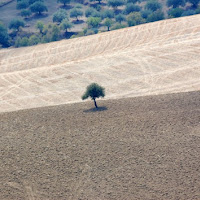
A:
{"x":94,"y":91}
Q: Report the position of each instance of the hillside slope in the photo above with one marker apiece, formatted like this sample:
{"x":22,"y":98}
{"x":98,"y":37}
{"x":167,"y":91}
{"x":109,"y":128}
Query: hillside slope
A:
{"x":140,"y":148}
{"x":154,"y":58}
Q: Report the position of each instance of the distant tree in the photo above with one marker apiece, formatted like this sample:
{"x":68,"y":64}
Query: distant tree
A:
{"x":16,"y":24}
{"x":130,"y":7}
{"x":145,"y":13}
{"x":194,"y":3}
{"x":75,"y":13}
{"x":64,"y":2}
{"x":188,"y":13}
{"x":89,"y":12}
{"x":132,"y":1}
{"x":108,"y":22}
{"x":175,"y":12}
{"x":22,"y":4}
{"x":21,"y":42}
{"x":135,"y":18}
{"x":118,"y":26}
{"x":65,"y":25}
{"x":33,"y":40}
{"x":59,"y":15}
{"x":155,"y":16}
{"x":93,"y":22}
{"x":175,"y":3}
{"x":120,"y":18}
{"x":153,"y":5}
{"x":55,"y":33}
{"x":107,"y":14}
{"x":94,"y":91}
{"x":198,"y":10}
{"x":40,"y":26}
{"x":25,"y":13}
{"x":115,"y":3}
{"x":33,"y":1}
{"x":4,"y":37}
{"x":38,"y":7}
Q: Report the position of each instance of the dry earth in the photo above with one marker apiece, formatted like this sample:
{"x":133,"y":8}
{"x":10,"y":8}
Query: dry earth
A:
{"x":155,"y":58}
{"x":142,"y":148}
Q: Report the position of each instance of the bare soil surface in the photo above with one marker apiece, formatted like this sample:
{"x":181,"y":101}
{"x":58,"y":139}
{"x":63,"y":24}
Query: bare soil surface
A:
{"x":135,"y":148}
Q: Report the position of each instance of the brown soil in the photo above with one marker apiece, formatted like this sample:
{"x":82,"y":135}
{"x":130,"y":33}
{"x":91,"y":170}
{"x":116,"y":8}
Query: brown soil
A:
{"x":134,"y":148}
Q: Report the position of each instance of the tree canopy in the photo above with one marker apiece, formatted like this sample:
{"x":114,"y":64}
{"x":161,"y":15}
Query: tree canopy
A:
{"x":94,"y":91}
{"x":16,"y":24}
{"x":4,"y":37}
{"x":64,"y":2}
{"x":75,"y":13}
{"x":59,"y":15}
{"x":38,"y":7}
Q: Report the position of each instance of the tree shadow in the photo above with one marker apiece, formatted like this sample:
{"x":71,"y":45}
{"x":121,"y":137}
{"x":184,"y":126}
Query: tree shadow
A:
{"x":67,"y":7}
{"x":38,"y":16}
{"x":67,"y":35}
{"x":99,"y":109}
{"x":77,"y":22}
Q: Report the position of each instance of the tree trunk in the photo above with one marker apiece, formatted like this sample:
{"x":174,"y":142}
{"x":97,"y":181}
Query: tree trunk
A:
{"x":95,"y":103}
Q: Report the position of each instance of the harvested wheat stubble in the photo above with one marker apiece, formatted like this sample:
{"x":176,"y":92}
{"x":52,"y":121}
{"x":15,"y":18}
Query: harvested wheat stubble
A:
{"x":155,"y":58}
{"x":140,"y":148}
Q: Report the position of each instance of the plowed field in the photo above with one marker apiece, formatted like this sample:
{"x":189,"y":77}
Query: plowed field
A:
{"x":135,"y":148}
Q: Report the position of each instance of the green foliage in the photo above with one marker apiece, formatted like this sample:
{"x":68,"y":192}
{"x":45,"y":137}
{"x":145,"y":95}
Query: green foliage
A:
{"x":146,"y":13}
{"x":22,"y":4}
{"x":130,"y":7}
{"x":75,"y":13}
{"x":33,"y":1}
{"x":64,"y":2}
{"x":118,"y":26}
{"x":33,"y":40}
{"x":108,"y":22}
{"x":21,"y":42}
{"x":38,"y":7}
{"x":59,"y":15}
{"x":51,"y":32}
{"x":90,"y":12}
{"x":175,"y":3}
{"x":115,"y":3}
{"x":155,"y":16}
{"x":107,"y":14}
{"x":132,"y":1}
{"x":175,"y":12}
{"x":94,"y":91}
{"x":135,"y":18}
{"x":55,"y":33}
{"x":40,"y":25}
{"x":4,"y":37}
{"x":153,"y":5}
{"x":93,"y":21}
{"x":188,"y":13}
{"x":65,"y":25}
{"x":16,"y":24}
{"x":120,"y":18}
{"x":78,"y":5}
{"x":198,"y":10}
{"x":25,"y":13}
{"x":194,"y":3}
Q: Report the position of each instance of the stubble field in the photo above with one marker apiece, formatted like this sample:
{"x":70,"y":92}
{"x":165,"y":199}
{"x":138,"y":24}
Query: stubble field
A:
{"x":135,"y":148}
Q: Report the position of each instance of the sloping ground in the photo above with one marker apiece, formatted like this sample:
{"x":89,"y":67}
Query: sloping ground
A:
{"x":143,"y":148}
{"x":155,"y":58}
